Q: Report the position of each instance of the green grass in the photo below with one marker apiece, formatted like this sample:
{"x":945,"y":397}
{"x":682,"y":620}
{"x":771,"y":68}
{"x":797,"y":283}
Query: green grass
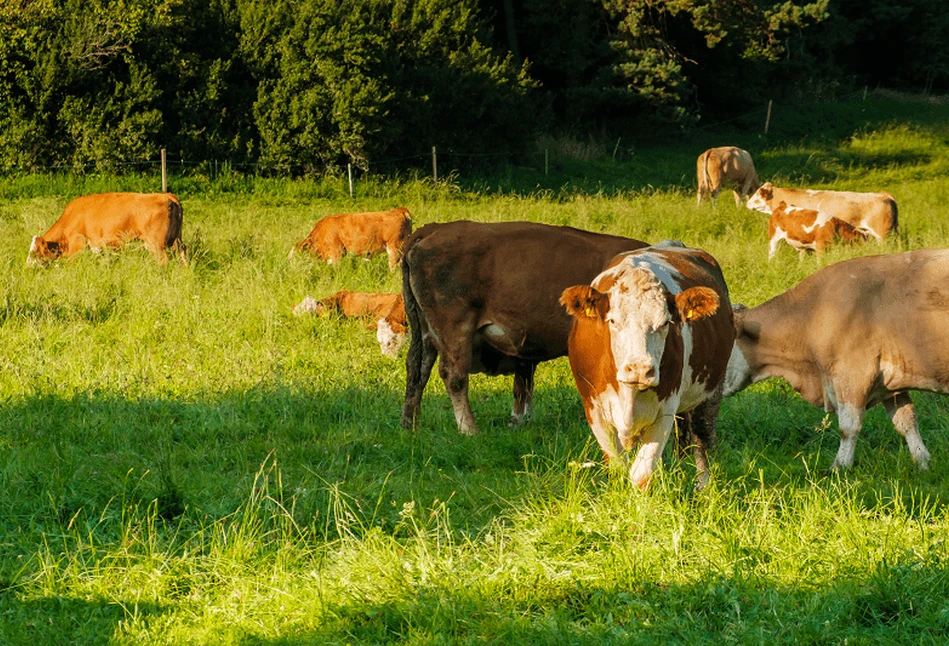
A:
{"x":183,"y":460}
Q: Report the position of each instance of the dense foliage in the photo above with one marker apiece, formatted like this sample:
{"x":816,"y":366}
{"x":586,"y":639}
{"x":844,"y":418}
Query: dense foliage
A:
{"x":310,"y":85}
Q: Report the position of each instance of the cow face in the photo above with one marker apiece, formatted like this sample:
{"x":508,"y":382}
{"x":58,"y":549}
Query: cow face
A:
{"x":41,"y":251}
{"x":761,"y":199}
{"x":391,"y":337}
{"x":639,"y":311}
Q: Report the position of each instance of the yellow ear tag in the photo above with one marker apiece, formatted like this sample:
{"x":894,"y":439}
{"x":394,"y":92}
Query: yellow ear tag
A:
{"x":589,"y":312}
{"x":688,"y":315}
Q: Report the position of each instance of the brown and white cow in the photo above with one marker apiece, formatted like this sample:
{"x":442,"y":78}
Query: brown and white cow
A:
{"x":852,"y":335}
{"x":807,"y":229}
{"x":385,"y":310}
{"x":873,"y":213}
{"x":362,"y":234}
{"x":651,"y":338}
{"x":109,"y":220}
{"x":483,"y":296}
{"x":726,"y":166}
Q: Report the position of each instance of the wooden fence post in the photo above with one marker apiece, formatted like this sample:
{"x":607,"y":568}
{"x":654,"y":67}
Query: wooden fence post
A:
{"x":434,"y":165}
{"x":546,"y":161}
{"x":164,"y":173}
{"x":349,"y":168}
{"x":767,"y":119}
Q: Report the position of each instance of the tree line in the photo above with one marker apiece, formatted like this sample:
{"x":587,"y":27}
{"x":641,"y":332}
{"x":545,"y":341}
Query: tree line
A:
{"x":314,"y":85}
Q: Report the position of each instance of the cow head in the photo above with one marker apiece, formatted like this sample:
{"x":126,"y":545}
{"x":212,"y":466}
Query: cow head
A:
{"x":761,"y":199}
{"x":391,"y":337}
{"x":639,"y":311}
{"x":739,"y":374}
{"x":42,"y":251}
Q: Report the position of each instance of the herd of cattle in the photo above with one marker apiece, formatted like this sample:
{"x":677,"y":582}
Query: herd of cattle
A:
{"x":650,"y":331}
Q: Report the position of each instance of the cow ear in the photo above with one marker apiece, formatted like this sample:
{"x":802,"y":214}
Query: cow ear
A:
{"x":584,"y":301}
{"x":696,"y":303}
{"x":767,"y":191}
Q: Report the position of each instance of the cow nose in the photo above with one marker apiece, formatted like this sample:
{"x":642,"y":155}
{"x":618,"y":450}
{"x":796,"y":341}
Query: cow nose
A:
{"x":641,"y":375}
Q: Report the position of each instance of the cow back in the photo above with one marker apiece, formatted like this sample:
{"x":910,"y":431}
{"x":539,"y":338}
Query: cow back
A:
{"x":508,"y":274}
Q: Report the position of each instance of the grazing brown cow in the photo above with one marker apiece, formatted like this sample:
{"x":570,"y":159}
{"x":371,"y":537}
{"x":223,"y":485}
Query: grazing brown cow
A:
{"x":725,"y":166}
{"x":852,"y":335}
{"x":873,"y":213}
{"x":483,"y":296}
{"x":362,"y":234}
{"x":386,"y":311}
{"x":110,"y":219}
{"x":806,"y":229}
{"x":650,"y":339}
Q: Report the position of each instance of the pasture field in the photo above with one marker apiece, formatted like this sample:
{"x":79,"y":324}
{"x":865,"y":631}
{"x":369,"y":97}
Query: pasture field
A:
{"x":183,"y":460}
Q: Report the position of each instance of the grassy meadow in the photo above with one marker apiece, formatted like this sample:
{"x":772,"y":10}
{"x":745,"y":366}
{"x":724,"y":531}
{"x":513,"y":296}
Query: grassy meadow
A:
{"x":183,"y":460}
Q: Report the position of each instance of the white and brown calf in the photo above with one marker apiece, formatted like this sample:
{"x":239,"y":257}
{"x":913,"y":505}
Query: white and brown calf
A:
{"x":650,"y":339}
{"x":808,"y":230}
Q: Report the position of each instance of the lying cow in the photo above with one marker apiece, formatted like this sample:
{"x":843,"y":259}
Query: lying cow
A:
{"x":483,"y":296}
{"x":109,"y":220}
{"x":726,"y":166}
{"x":807,"y":229}
{"x":386,"y":311}
{"x":873,"y":213}
{"x":650,"y":339}
{"x":852,"y":335}
{"x":362,"y":234}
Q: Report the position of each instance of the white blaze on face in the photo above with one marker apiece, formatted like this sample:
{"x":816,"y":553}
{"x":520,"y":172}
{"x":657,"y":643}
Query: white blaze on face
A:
{"x":639,"y":323}
{"x":757,"y":203}
{"x":389,"y":340}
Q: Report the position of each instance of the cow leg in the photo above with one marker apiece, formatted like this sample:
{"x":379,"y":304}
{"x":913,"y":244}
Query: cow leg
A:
{"x":737,"y":197}
{"x":903,"y":415}
{"x":652,"y":442}
{"x":697,"y":431}
{"x":453,"y":368}
{"x":850,"y":420}
{"x":605,"y":433}
{"x":418,"y":372}
{"x":523,"y":391}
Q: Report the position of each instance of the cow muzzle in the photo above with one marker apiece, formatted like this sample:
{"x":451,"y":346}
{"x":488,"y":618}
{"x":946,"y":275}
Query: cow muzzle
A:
{"x":639,"y":375}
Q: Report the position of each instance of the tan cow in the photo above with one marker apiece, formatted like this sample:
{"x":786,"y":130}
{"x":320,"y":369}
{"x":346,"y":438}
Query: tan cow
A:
{"x":385,"y":310}
{"x":874,"y":213}
{"x":807,"y":229}
{"x":855,"y":334}
{"x":109,"y":220}
{"x":725,"y":166}
{"x":363,"y":234}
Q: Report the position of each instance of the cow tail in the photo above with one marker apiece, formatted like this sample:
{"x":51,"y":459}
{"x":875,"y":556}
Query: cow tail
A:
{"x":413,"y":358}
{"x":895,"y":228}
{"x":703,"y":177}
{"x":175,"y":219}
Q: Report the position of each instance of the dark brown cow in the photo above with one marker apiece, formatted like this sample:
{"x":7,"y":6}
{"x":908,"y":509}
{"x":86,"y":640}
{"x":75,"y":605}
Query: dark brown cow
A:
{"x":109,"y":220}
{"x":385,"y":310}
{"x":874,"y":213}
{"x":807,"y":229}
{"x":651,"y":339}
{"x":852,"y":335}
{"x":724,"y":166}
{"x":483,"y":296}
{"x":362,"y":234}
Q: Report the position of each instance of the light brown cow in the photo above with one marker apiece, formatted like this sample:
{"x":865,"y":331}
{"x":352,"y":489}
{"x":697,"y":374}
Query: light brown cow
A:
{"x":852,"y":335}
{"x":807,"y":229}
{"x":363,"y":234}
{"x":650,"y":339}
{"x":385,"y":310}
{"x":109,"y":220}
{"x":874,"y":213}
{"x":726,"y":166}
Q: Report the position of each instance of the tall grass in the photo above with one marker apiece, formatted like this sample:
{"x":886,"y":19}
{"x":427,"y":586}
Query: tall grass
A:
{"x":183,"y":460}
